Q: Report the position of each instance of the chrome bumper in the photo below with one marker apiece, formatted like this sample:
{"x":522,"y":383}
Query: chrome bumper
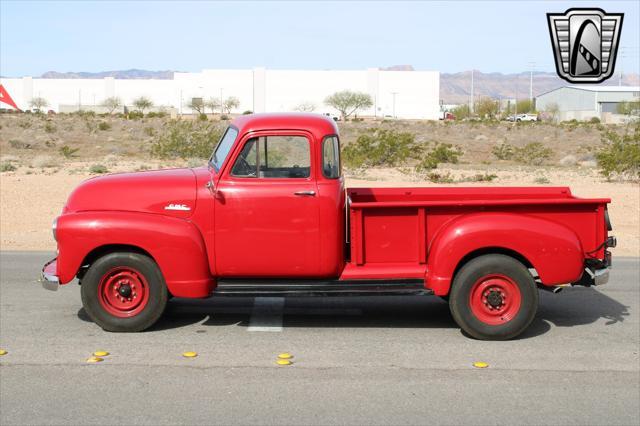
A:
{"x":49,"y":279}
{"x":599,"y":276}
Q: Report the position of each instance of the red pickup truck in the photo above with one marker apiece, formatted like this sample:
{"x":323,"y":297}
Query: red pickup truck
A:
{"x":269,"y":215}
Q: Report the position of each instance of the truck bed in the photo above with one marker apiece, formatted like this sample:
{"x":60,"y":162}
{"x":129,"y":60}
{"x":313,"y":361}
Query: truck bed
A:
{"x":391,"y":229}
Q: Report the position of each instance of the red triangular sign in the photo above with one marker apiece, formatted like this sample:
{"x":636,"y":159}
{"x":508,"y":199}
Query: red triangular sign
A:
{"x":5,"y":98}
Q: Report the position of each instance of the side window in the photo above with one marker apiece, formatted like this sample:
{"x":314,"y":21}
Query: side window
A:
{"x":245,"y":165}
{"x":274,"y":157}
{"x":331,"y":157}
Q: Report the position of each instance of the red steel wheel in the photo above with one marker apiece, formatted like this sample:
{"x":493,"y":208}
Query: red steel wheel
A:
{"x":123,"y":292}
{"x":495,"y":299}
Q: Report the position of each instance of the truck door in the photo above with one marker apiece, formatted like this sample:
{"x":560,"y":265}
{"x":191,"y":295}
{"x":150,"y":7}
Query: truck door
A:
{"x":266,"y":210}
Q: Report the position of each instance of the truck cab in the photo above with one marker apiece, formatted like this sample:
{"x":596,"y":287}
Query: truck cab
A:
{"x":269,"y":215}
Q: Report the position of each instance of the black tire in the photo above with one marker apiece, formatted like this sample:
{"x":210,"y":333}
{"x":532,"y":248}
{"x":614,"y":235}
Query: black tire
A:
{"x":466,"y":281}
{"x":150,"y":312}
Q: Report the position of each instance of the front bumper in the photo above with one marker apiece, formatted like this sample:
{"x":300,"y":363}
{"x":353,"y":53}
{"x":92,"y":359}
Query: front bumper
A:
{"x":49,"y":277}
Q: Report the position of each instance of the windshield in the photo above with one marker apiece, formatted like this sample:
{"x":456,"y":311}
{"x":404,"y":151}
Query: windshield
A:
{"x":223,"y":148}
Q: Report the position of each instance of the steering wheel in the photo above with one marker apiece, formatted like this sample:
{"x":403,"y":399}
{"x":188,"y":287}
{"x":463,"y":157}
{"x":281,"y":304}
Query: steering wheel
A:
{"x":244,"y":168}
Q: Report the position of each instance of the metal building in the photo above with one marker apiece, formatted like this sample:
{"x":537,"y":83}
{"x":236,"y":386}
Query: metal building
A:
{"x":582,"y":102}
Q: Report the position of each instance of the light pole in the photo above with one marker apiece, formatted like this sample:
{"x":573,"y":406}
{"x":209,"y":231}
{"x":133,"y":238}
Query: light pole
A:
{"x":532,"y":65}
{"x":394,"y":103}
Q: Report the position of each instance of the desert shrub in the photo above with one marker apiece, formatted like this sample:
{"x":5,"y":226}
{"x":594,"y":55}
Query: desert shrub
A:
{"x":103,"y":125}
{"x":135,"y":115}
{"x":85,"y":114}
{"x":202,"y":117}
{"x":6,"y":166}
{"x":381,"y":147}
{"x":503,"y":151}
{"x":486,"y":177}
{"x":533,"y":153}
{"x":17,"y":144}
{"x":247,"y":112}
{"x":620,"y":155}
{"x":98,"y":169}
{"x":542,"y":180}
{"x":149,"y":131}
{"x":224,"y":117}
{"x":49,"y":127}
{"x":440,"y":153}
{"x":186,"y":139}
{"x":25,"y":124}
{"x":68,"y":152}
{"x":594,"y":120}
{"x":156,"y":114}
{"x":436,"y":177}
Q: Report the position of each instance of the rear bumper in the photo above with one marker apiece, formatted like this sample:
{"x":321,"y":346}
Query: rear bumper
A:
{"x":49,"y":277}
{"x":596,"y":272}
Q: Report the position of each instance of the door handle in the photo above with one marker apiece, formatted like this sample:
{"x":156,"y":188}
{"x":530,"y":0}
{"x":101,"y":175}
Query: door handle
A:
{"x":305,"y":193}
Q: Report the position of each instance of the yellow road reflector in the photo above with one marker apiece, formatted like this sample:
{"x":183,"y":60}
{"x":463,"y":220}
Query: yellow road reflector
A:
{"x":285,"y":355}
{"x":480,"y":364}
{"x":3,"y":352}
{"x":94,"y":359}
{"x":283,"y":362}
{"x":189,"y":354}
{"x":100,"y":353}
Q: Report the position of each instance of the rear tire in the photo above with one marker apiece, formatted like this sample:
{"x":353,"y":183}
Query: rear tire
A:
{"x":493,"y":297}
{"x":124,"y":292}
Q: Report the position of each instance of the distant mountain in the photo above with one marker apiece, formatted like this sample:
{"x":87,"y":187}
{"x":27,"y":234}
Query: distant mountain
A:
{"x":456,"y":88}
{"x":132,"y":74}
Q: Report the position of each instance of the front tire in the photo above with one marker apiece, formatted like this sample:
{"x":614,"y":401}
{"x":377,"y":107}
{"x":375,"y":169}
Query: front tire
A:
{"x":493,"y":297}
{"x":124,"y":292}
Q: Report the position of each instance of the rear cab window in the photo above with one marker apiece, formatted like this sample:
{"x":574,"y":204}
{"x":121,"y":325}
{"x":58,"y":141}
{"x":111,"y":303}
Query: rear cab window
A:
{"x":331,"y":157}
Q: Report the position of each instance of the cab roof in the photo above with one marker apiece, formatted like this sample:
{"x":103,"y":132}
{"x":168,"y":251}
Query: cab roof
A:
{"x":317,"y":124}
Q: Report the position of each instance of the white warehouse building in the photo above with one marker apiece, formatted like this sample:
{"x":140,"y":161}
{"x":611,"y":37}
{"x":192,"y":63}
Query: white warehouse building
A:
{"x":582,"y":102}
{"x":403,"y":94}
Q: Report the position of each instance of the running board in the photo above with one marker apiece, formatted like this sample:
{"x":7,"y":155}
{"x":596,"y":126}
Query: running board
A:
{"x":261,"y":288}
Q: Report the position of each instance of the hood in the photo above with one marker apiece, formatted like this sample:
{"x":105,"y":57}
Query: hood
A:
{"x":168,"y":192}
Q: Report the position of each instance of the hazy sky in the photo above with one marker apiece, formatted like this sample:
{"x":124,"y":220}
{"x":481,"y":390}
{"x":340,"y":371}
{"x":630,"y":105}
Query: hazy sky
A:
{"x":38,"y":36}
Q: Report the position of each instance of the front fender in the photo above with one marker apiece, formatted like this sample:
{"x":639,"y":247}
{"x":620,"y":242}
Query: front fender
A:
{"x":552,"y":249}
{"x":175,"y":244}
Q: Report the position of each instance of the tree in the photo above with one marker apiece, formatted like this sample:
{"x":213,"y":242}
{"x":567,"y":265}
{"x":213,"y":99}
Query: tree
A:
{"x":486,"y":108}
{"x":525,"y":106}
{"x":197,"y":105}
{"x":553,"y":109}
{"x":213,"y":104}
{"x":305,"y":107}
{"x":112,"y":103}
{"x":461,"y":112}
{"x":142,"y":103}
{"x":348,"y":102}
{"x":38,"y":103}
{"x":628,"y":108}
{"x":230,"y":103}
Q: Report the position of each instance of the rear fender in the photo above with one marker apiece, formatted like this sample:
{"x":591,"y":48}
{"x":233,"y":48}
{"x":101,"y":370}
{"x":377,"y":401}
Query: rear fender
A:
{"x":552,"y":249}
{"x":175,"y":244}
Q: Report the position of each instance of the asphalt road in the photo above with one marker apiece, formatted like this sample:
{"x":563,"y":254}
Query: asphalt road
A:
{"x":368,"y":360}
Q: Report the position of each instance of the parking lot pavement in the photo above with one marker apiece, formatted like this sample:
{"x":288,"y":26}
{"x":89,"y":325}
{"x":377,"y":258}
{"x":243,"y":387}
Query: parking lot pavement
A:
{"x":366,"y":360}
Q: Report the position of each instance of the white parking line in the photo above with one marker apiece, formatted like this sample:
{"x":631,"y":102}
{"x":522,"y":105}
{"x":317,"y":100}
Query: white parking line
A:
{"x":266,"y":314}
